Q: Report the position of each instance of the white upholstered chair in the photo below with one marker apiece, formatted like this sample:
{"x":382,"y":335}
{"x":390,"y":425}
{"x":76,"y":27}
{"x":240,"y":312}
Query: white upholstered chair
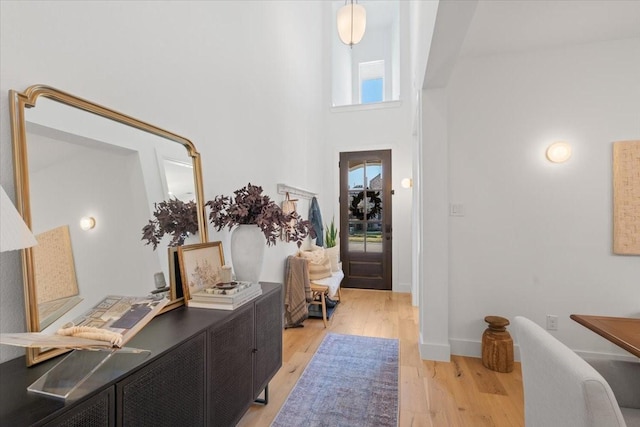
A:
{"x":561,"y":389}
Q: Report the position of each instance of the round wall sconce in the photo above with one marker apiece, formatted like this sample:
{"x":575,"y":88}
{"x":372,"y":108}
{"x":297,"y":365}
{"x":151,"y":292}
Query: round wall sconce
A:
{"x":559,"y":152}
{"x":406,"y":183}
{"x":87,"y":223}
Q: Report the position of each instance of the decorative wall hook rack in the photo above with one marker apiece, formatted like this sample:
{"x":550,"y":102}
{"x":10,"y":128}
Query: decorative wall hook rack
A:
{"x":295,"y":191}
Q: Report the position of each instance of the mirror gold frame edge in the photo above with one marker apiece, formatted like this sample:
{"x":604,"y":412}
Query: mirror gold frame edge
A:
{"x":17,"y":103}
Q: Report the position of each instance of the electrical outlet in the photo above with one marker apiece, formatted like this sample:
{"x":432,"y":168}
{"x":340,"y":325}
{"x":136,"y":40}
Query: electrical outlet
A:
{"x":552,"y":322}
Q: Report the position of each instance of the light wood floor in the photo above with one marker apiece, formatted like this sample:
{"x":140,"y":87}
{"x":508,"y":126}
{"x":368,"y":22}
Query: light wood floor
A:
{"x":457,"y":393}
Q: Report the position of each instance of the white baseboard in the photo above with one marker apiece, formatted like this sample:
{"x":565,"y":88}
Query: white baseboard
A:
{"x":467,"y":348}
{"x":471,"y":348}
{"x":437,"y":352}
{"x":403,"y":288}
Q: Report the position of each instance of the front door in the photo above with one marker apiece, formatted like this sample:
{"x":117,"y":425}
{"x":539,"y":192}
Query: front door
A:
{"x":365,"y":219}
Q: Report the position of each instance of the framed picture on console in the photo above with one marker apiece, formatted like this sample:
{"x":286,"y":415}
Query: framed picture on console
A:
{"x":200,"y":266}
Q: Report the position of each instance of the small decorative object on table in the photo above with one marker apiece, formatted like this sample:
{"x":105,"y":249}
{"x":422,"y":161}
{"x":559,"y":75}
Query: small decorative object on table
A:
{"x":227,"y":288}
{"x":226,"y":296}
{"x":225,"y":274}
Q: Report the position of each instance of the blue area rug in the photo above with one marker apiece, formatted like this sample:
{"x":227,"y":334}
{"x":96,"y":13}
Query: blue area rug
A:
{"x":350,"y":381}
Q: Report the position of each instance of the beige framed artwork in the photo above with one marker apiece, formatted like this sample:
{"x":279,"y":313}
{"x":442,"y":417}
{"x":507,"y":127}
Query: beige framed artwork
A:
{"x":57,"y":287}
{"x":200,"y":266}
{"x":626,"y":197}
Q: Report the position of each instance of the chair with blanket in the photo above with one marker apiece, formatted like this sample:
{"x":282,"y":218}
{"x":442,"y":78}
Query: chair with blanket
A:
{"x":297,"y":292}
{"x":562,"y":389}
{"x":325,"y":276}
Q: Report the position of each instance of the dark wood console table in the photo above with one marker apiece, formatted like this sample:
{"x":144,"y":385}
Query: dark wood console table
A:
{"x":205,"y":368}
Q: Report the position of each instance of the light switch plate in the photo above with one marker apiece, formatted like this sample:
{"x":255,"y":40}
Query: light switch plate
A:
{"x":456,"y":209}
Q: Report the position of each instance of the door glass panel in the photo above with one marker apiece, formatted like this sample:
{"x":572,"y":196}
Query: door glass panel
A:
{"x":356,"y":206}
{"x":374,"y":205}
{"x":356,"y":175}
{"x":373,"y":173}
{"x":365,"y":206}
{"x":356,"y":236}
{"x":374,"y":237}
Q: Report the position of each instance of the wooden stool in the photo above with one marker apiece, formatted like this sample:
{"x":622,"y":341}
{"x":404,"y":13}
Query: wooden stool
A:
{"x":497,"y":345}
{"x":320,"y":291}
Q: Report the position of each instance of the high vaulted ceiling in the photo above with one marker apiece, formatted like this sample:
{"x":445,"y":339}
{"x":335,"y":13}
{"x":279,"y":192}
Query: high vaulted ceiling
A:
{"x":519,"y":25}
{"x":466,"y":28}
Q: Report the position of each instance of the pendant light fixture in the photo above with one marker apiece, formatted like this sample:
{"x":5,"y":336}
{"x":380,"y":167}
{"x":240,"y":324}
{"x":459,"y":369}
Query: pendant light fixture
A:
{"x":352,"y":21}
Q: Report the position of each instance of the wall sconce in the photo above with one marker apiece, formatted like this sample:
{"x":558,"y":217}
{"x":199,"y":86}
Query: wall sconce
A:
{"x":352,"y":21}
{"x":406,"y":183}
{"x":87,"y":223}
{"x":559,"y":152}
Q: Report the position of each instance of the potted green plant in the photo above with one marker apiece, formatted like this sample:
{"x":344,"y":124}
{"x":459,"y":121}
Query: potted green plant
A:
{"x":331,"y":243}
{"x":173,"y":217}
{"x":330,"y":235}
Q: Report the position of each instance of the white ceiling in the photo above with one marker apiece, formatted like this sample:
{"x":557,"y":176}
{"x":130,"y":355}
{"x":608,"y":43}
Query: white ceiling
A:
{"x":468,"y":28}
{"x":500,"y":26}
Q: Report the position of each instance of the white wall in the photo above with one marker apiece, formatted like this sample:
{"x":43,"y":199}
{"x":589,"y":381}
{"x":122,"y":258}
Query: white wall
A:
{"x":433,"y":264}
{"x":233,"y":77}
{"x":359,"y":128}
{"x":536,"y":237}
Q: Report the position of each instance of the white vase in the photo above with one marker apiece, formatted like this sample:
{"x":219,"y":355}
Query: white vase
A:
{"x":247,"y":252}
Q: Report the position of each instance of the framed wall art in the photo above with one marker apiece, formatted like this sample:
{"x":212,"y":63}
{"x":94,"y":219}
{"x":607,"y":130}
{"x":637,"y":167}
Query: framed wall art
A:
{"x":200,"y":266}
{"x":626,"y":197}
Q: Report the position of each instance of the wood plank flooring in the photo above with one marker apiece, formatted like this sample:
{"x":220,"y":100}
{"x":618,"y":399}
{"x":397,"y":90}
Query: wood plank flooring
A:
{"x":432,"y":394}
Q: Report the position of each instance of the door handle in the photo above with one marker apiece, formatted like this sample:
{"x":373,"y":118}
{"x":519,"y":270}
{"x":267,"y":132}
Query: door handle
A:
{"x":387,"y":231}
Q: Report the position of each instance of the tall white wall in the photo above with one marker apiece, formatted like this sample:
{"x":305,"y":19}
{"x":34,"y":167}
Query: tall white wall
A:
{"x":360,"y":128}
{"x":234,"y":77}
{"x":433,"y":262}
{"x":536,"y":237}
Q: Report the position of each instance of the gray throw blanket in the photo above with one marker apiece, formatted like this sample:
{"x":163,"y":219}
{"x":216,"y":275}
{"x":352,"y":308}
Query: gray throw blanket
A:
{"x":297,"y":291}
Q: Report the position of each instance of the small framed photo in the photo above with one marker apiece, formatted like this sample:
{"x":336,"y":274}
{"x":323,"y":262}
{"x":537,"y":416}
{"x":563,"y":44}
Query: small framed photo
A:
{"x":200,"y":266}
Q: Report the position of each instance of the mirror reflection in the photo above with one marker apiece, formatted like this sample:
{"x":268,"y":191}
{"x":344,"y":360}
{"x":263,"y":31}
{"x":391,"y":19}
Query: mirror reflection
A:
{"x":82,"y":165}
{"x":89,"y":185}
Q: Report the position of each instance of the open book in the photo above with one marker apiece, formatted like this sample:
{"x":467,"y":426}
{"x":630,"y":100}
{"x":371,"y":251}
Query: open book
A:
{"x":110,"y":323}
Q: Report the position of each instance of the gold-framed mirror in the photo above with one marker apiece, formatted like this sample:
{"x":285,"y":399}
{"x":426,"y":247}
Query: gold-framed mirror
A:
{"x":76,"y":160}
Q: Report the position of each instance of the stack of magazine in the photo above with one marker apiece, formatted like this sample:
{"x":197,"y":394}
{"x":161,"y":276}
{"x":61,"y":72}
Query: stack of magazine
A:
{"x":113,"y":321}
{"x":225,"y":296}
